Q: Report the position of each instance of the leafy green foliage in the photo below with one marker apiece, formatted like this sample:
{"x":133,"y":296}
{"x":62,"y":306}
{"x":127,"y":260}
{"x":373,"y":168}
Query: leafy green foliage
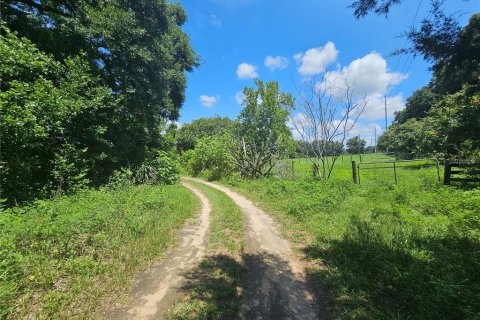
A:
{"x":122,"y":41}
{"x":450,"y":130}
{"x":406,"y":140}
{"x":59,"y":258}
{"x":210,"y":159}
{"x":86,"y":89}
{"x":356,"y":145}
{"x":261,"y":134}
{"x":453,"y":126}
{"x":188,"y":135}
{"x":53,"y":118}
{"x":442,"y":118}
{"x":417,"y":106}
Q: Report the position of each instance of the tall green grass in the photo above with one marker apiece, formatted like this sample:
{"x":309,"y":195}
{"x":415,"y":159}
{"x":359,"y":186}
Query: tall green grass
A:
{"x":388,"y":251}
{"x":60,"y":258}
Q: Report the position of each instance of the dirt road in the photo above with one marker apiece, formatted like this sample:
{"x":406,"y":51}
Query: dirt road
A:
{"x":275,"y":285}
{"x":156,"y":290}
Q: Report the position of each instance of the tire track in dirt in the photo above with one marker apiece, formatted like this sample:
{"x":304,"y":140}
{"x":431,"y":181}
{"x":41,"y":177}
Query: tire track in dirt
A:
{"x":275,"y":284}
{"x":157,"y":289}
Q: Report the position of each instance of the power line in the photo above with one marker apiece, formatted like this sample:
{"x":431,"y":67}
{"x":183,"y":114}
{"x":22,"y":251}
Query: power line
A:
{"x":408,"y":55}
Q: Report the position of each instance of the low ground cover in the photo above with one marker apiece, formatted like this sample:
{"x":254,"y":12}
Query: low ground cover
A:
{"x":409,"y":250}
{"x":59,"y":257}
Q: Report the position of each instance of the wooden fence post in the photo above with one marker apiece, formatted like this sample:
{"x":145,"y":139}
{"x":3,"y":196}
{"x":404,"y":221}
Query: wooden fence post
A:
{"x":448,"y":172}
{"x":354,"y":171}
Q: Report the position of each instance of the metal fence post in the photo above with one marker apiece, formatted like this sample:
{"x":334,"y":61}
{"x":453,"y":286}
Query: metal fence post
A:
{"x":293,"y":169}
{"x":438,"y":171}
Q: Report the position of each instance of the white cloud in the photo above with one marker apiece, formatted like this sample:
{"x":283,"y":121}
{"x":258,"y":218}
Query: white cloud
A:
{"x":316,"y":60}
{"x":239,"y":96}
{"x":215,"y":21}
{"x":276,"y":63}
{"x":208,"y":101}
{"x":247,"y":71}
{"x":366,"y":76}
{"x":375,"y":107}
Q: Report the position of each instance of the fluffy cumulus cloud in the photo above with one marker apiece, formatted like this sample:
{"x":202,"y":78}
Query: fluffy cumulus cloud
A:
{"x":247,"y":71}
{"x":276,"y":63}
{"x":367,"y":78}
{"x":208,"y":101}
{"x":366,"y":75}
{"x":316,"y":60}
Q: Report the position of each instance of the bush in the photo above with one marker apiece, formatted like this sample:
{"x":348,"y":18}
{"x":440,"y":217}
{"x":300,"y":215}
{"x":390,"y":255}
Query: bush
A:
{"x":168,"y":169}
{"x":210,"y":159}
{"x":162,"y":168}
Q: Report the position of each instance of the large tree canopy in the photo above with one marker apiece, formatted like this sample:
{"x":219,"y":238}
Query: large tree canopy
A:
{"x":136,"y":47}
{"x":120,"y":64}
{"x":188,"y":135}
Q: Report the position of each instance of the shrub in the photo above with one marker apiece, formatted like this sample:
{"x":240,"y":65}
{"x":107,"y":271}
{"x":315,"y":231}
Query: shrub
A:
{"x":210,"y":159}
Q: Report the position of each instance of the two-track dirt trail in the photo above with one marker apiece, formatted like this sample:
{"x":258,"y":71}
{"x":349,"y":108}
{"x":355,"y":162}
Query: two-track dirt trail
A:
{"x":157,"y":289}
{"x":275,"y":284}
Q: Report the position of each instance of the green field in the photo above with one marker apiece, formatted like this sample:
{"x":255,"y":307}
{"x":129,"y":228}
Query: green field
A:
{"x":374,"y":168}
{"x":384,"y":250}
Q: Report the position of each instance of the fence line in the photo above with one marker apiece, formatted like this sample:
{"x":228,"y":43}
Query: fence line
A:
{"x":465,"y":173}
{"x":369,"y":170}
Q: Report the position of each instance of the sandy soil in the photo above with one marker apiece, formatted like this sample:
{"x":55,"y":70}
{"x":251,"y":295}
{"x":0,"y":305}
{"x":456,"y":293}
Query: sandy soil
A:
{"x":275,"y":284}
{"x":157,"y":289}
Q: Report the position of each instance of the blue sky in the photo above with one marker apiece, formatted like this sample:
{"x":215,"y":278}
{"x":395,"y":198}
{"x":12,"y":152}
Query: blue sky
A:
{"x":291,"y":41}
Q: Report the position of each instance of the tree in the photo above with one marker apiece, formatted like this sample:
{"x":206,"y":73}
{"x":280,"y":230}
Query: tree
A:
{"x":417,"y":105}
{"x":452,"y":129}
{"x":54,"y":120}
{"x":137,"y":48}
{"x":328,"y":111}
{"x":405,"y":140}
{"x":211,"y":158}
{"x":188,"y":135}
{"x":356,"y":145}
{"x":261,"y":135}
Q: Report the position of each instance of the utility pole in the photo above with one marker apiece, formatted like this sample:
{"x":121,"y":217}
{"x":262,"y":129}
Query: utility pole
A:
{"x":375,"y":127}
{"x":386,"y":126}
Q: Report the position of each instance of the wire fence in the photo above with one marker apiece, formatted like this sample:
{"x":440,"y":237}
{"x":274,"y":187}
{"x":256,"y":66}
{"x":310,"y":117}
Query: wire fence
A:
{"x":397,"y":170}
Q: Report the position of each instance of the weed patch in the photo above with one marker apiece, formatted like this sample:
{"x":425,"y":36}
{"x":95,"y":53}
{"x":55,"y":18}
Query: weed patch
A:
{"x":59,"y":257}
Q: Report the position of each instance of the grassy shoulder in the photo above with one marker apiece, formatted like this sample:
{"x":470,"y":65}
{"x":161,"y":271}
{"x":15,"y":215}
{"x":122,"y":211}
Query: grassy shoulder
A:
{"x":216,"y":291}
{"x":405,"y":251}
{"x":59,"y":258}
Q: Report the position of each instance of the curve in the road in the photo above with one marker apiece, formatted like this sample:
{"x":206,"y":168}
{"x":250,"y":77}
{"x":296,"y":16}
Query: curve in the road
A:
{"x":275,"y":286}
